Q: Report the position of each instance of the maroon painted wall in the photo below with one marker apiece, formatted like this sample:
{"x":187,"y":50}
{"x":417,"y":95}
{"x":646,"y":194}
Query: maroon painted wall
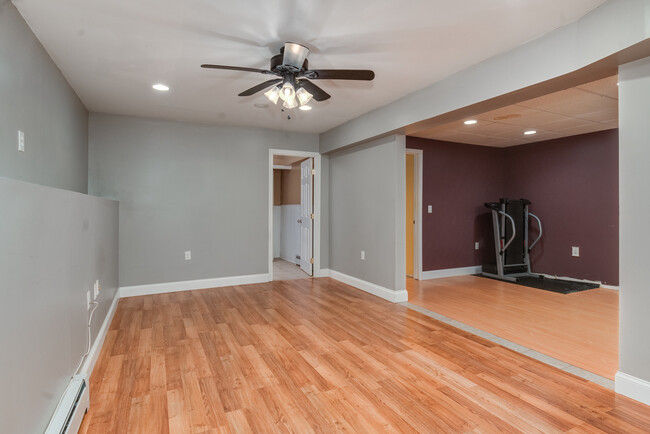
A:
{"x":573,"y":186}
{"x":572,"y":183}
{"x":457,"y":179}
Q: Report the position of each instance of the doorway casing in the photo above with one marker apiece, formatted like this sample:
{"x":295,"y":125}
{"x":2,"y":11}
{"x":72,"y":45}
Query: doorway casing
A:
{"x":417,"y":212}
{"x":317,"y":205}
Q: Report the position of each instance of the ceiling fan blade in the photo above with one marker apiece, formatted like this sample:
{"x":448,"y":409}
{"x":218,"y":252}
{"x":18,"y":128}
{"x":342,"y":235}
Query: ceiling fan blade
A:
{"x":319,"y":94}
{"x":253,"y":90}
{"x":340,"y":74}
{"x":237,"y":68}
{"x":294,"y":54}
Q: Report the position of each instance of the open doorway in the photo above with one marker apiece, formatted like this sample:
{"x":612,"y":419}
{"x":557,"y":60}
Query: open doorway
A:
{"x":294,"y":234}
{"x":413,"y":213}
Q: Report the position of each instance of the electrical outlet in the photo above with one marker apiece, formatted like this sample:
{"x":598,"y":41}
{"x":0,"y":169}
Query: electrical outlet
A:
{"x":575,"y":251}
{"x":430,"y":209}
{"x":476,"y":245}
{"x":363,"y":255}
{"x":21,"y":141}
{"x":88,"y":300}
{"x":188,"y":255}
{"x":95,"y":289}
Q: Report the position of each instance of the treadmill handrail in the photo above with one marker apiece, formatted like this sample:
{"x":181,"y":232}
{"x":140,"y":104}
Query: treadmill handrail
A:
{"x":539,"y":222}
{"x":514,"y":231}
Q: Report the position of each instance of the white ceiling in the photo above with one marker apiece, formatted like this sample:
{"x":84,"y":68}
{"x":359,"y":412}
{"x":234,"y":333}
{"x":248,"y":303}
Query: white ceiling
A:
{"x":111,"y":52}
{"x":582,"y":109}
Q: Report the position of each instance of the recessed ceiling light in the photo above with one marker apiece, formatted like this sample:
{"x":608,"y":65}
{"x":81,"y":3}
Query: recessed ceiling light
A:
{"x":530,"y":132}
{"x":470,"y":122}
{"x":161,"y":87}
{"x":305,"y":107}
{"x":258,"y":105}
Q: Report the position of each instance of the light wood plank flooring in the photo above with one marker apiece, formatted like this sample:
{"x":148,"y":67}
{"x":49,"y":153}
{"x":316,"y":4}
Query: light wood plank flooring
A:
{"x":580,"y":328}
{"x":315,"y":355}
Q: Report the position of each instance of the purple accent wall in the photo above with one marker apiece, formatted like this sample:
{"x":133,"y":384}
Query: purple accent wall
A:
{"x":573,"y":186}
{"x":457,"y":179}
{"x":571,"y":182}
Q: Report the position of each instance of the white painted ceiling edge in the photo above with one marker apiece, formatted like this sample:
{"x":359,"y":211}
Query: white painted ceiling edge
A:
{"x":112,"y":52}
{"x":605,"y":31}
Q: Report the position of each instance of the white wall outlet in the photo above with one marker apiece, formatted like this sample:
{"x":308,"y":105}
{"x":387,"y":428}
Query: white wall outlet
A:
{"x":575,"y":251}
{"x":476,"y":245}
{"x":430,"y":209}
{"x":188,"y":255}
{"x":95,"y":289}
{"x":363,"y":255}
{"x":21,"y":141}
{"x":88,"y":300}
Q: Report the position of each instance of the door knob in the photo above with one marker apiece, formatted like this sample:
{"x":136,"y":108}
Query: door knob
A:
{"x":299,"y":220}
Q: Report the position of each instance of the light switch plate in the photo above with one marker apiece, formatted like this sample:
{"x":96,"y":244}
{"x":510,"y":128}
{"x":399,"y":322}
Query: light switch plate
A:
{"x":430,"y":209}
{"x":363,"y":255}
{"x":575,"y":251}
{"x":188,"y":255}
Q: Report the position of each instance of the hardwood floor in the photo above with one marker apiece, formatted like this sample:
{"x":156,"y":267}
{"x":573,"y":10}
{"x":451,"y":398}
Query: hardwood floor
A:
{"x":580,"y":328}
{"x":315,"y":355}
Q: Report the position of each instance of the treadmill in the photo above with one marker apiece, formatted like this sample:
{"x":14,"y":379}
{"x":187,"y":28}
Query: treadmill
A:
{"x":510,"y":220}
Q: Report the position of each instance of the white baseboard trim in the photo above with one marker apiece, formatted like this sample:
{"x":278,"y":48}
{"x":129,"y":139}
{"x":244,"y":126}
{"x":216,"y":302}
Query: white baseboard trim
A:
{"x":451,"y":272}
{"x":632,"y":387}
{"x":572,"y":279}
{"x":324,"y":272}
{"x":188,"y":285}
{"x":379,"y":291}
{"x":93,"y":355}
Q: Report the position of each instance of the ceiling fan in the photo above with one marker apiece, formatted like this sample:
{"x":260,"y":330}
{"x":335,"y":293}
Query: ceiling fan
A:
{"x":293,"y":85}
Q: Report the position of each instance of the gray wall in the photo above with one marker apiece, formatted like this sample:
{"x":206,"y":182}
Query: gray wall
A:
{"x":185,"y":186}
{"x":634,"y":157}
{"x":36,"y":98}
{"x":367,"y":212}
{"x":55,"y":244}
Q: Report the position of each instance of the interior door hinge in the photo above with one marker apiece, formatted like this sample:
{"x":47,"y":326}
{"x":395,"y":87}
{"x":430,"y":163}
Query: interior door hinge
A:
{"x":311,"y":261}
{"x":313,"y":171}
{"x":312,"y":216}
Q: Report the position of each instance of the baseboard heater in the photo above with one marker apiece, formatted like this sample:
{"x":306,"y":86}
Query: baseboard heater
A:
{"x":72,"y":408}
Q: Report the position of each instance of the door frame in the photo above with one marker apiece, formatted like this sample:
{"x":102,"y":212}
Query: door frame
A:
{"x":418,"y":165}
{"x":317,"y":205}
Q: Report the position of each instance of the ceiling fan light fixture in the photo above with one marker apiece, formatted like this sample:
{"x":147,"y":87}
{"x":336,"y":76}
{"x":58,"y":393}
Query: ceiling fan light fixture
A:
{"x":273,"y":94}
{"x":303,"y":96}
{"x":287,"y":92}
{"x":290,"y":103}
{"x":305,"y":108}
{"x":294,"y":54}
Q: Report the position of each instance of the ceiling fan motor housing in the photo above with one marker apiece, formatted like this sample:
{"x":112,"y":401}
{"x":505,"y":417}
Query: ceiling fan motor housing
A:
{"x":278,"y":67}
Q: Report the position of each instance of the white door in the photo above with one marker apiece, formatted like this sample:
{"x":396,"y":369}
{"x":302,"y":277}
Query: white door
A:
{"x":306,"y":215}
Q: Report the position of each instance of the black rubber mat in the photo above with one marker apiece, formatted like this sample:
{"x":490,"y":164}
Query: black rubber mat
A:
{"x":554,"y":285}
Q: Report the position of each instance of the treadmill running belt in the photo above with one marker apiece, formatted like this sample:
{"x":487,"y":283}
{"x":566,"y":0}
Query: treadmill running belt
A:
{"x":555,"y":285}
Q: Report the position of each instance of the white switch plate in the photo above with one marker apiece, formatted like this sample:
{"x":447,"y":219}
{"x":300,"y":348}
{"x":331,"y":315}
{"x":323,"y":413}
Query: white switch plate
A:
{"x":88,"y":300}
{"x":363,"y":255}
{"x":430,"y":209}
{"x":21,"y":141}
{"x":476,"y":245}
{"x":188,"y":255}
{"x":96,"y":289}
{"x":575,"y":251}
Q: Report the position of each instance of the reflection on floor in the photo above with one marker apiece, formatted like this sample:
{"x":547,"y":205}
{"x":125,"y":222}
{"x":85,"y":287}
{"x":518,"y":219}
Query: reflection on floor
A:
{"x":580,"y":329}
{"x":285,"y":270}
